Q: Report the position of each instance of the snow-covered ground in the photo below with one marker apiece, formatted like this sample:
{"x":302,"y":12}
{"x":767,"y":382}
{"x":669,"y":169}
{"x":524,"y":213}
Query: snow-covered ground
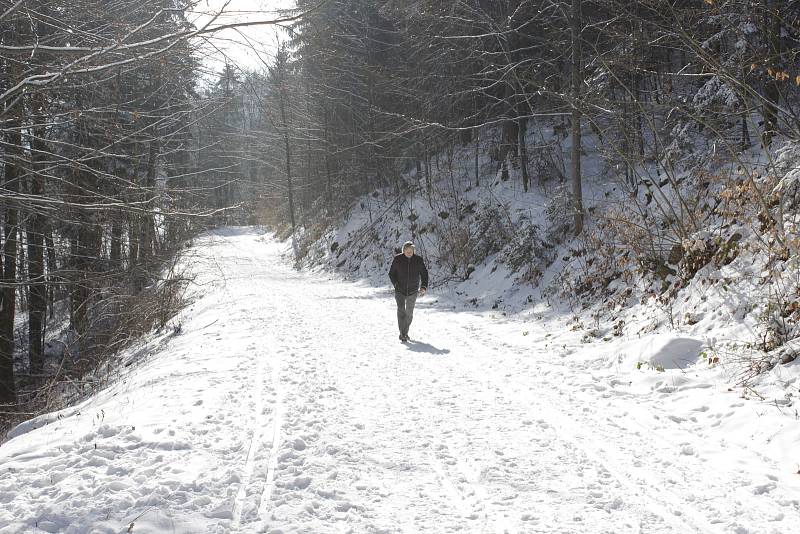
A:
{"x":287,"y":404}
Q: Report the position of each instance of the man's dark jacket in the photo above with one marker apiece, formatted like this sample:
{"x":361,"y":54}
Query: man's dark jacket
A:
{"x":408,"y":274}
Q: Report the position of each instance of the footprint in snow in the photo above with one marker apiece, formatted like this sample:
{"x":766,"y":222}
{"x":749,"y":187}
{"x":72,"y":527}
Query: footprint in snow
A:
{"x":764,"y":488}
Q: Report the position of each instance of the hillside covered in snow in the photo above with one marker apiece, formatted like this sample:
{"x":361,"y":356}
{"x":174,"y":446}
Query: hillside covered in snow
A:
{"x":492,"y":246}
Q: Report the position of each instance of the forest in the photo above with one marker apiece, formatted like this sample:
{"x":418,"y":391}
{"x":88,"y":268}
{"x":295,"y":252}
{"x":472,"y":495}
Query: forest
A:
{"x":118,"y":144}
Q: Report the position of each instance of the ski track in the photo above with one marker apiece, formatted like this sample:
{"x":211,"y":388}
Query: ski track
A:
{"x":255,"y":444}
{"x":269,"y":483}
{"x":323,"y":422}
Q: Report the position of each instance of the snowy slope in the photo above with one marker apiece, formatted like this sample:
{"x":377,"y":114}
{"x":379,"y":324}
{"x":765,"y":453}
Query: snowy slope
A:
{"x":494,"y":246}
{"x":286,"y":404}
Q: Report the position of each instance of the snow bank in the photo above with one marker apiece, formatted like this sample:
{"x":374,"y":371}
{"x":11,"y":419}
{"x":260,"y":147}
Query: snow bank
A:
{"x":661,"y":351}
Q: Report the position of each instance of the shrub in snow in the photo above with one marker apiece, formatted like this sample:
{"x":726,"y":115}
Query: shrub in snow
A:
{"x":527,"y":253}
{"x":559,"y":212}
{"x":491,"y":233}
{"x":715,"y":105}
{"x":787,"y":168}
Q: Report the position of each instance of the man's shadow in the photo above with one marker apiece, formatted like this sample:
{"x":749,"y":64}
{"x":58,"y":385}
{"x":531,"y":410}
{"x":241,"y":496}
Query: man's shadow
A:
{"x":419,"y":346}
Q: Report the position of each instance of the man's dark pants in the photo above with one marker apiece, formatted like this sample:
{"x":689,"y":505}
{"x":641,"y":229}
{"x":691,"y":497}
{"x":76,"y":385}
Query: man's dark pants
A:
{"x":405,"y":310}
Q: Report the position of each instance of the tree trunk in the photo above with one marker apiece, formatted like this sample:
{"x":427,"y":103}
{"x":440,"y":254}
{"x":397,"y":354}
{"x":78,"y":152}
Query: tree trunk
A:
{"x":37,"y":284}
{"x":577,"y":194}
{"x":522,"y":129}
{"x":78,"y":294}
{"x":52,"y":269}
{"x":744,"y":142}
{"x":477,"y":147}
{"x":115,"y":249}
{"x":428,"y":177}
{"x":772,"y":95}
{"x":13,"y":154}
{"x":133,"y":240}
{"x":309,"y":188}
{"x":148,"y":242}
{"x":420,"y":160}
{"x":287,"y":147}
{"x":86,"y":247}
{"x":329,"y":181}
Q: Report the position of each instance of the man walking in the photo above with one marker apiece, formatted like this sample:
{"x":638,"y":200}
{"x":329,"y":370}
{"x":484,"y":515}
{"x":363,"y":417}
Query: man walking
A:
{"x":409,"y":278}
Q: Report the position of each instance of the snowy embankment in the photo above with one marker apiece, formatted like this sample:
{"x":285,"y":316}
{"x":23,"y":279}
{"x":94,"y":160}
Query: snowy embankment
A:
{"x":286,"y":404}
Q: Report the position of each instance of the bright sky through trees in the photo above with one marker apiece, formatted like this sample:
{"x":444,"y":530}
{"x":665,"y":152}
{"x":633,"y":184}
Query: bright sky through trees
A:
{"x":250,"y":46}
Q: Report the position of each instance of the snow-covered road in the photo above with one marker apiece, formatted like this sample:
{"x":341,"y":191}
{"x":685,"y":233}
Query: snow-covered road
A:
{"x":287,"y":404}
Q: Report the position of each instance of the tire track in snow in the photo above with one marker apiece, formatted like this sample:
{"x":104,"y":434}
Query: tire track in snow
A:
{"x":677,"y":513}
{"x":657,"y":500}
{"x":667,"y":465}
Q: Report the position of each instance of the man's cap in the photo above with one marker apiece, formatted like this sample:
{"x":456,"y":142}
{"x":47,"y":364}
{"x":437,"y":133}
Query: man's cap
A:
{"x":408,"y":244}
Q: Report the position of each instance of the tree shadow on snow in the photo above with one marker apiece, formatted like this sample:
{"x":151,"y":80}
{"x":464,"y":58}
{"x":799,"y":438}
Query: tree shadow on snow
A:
{"x":374,"y":296}
{"x":418,"y":346}
{"x":233,"y":231}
